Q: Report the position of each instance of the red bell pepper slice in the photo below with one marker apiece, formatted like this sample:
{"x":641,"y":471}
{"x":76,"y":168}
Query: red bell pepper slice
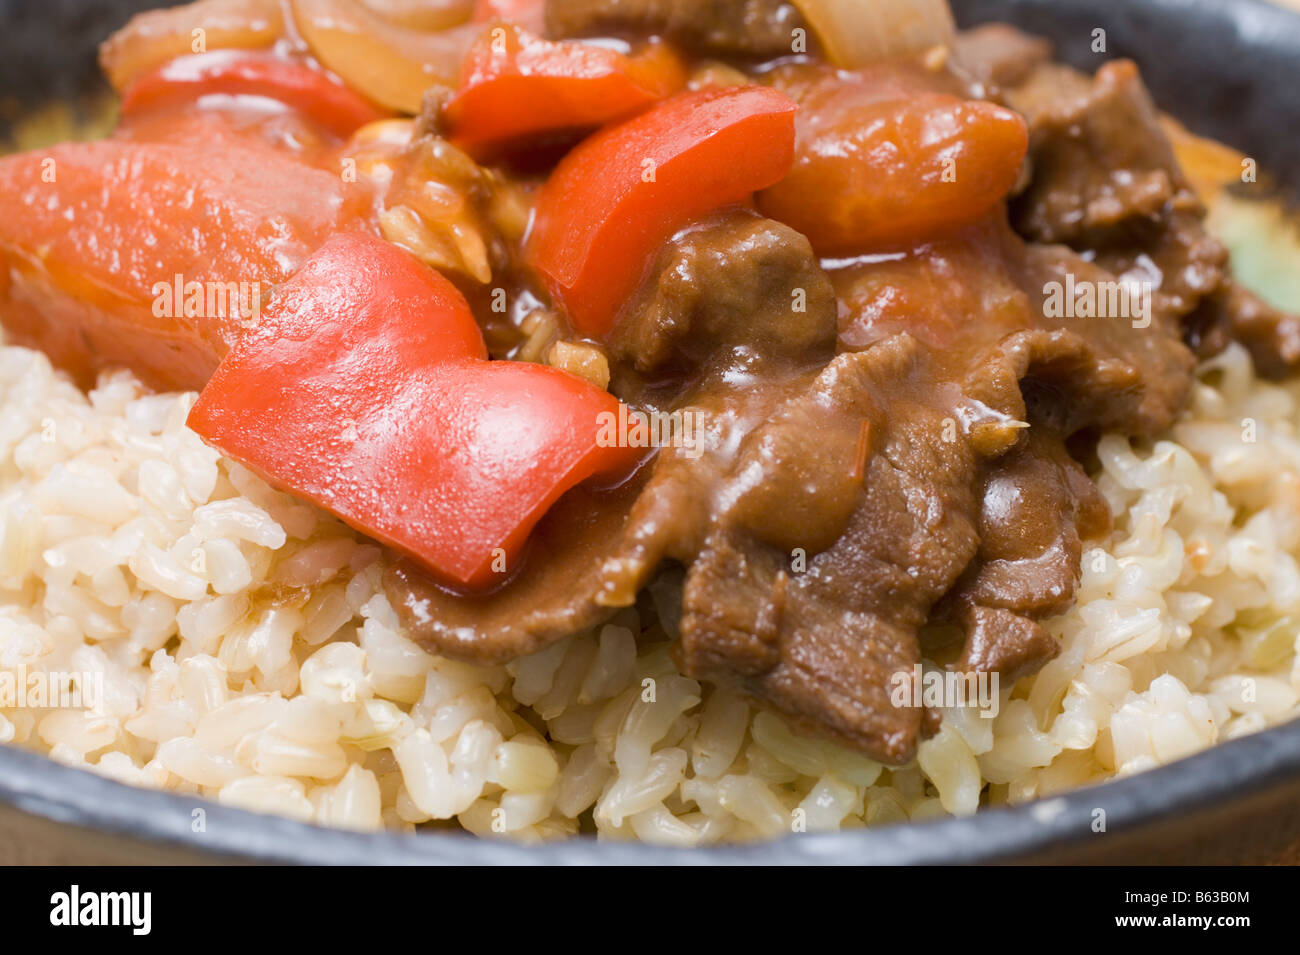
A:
{"x":616,"y":198}
{"x":515,"y":87}
{"x":242,"y":73}
{"x":365,"y":390}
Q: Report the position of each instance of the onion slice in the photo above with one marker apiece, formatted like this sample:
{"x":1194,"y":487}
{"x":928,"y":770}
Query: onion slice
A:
{"x":423,"y":14}
{"x":151,"y":39}
{"x":391,"y":65}
{"x":860,"y":32}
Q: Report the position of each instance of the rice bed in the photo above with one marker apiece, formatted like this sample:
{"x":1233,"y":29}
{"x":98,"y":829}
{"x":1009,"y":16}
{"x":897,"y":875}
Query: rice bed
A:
{"x":244,"y":650}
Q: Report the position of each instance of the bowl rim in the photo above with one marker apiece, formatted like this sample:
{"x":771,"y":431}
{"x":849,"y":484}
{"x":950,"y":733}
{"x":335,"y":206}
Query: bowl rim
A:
{"x":1205,"y":781}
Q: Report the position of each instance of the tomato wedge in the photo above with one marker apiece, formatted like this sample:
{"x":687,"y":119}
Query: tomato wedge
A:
{"x":880,"y":167}
{"x":365,"y":389}
{"x":95,"y":239}
{"x":516,"y":87}
{"x":242,"y":73}
{"x":617,"y":197}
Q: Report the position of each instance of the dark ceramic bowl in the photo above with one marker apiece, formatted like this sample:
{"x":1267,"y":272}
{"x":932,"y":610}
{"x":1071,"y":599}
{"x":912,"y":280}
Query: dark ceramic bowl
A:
{"x":1228,"y":68}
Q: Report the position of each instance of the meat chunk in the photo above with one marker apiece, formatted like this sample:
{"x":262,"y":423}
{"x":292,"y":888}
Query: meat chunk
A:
{"x":737,"y":281}
{"x":1179,"y":259}
{"x":820,"y":637}
{"x":998,"y":56}
{"x":752,"y":28}
{"x":1271,"y":335}
{"x":1106,"y":181}
{"x":1004,"y":642}
{"x":1140,"y":369}
{"x":982,"y":301}
{"x":1100,"y":159}
{"x":1036,"y":508}
{"x":817,"y":536}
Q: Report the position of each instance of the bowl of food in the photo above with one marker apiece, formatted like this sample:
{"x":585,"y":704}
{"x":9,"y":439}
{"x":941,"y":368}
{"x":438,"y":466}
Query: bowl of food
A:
{"x":572,"y":431}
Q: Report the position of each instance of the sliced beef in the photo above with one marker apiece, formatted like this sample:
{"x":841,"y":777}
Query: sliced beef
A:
{"x":1177,"y":256}
{"x":980,"y":302}
{"x":820,"y":640}
{"x":555,"y":595}
{"x":1271,"y":335}
{"x":1140,"y":369}
{"x":750,"y":28}
{"x":1106,"y":182}
{"x":1004,"y":642}
{"x":759,"y":308}
{"x":1100,"y":159}
{"x":1036,"y":508}
{"x":828,"y":532}
{"x":736,"y":281}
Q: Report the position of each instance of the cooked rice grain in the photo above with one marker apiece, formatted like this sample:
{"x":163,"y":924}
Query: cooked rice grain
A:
{"x":248,"y":653}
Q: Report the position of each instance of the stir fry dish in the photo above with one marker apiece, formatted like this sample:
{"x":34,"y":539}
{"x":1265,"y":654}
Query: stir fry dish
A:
{"x":805,"y":317}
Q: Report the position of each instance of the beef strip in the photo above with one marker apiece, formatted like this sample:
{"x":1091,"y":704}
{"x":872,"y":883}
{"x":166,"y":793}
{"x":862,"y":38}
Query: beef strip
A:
{"x":1271,"y":335}
{"x":1140,"y":376}
{"x":760,"y":29}
{"x":1106,"y":182}
{"x":556,"y":594}
{"x":734,"y":281}
{"x":1099,"y":157}
{"x":1037,"y":507}
{"x":981,"y":299}
{"x":763,"y":316}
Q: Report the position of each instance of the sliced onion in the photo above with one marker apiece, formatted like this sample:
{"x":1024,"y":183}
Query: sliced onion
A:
{"x":423,"y":14}
{"x":389,"y":64}
{"x":151,"y":39}
{"x":860,"y":32}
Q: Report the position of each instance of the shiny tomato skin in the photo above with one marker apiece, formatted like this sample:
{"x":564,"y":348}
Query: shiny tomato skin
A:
{"x":90,"y":233}
{"x":874,"y":169}
{"x":516,"y":88}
